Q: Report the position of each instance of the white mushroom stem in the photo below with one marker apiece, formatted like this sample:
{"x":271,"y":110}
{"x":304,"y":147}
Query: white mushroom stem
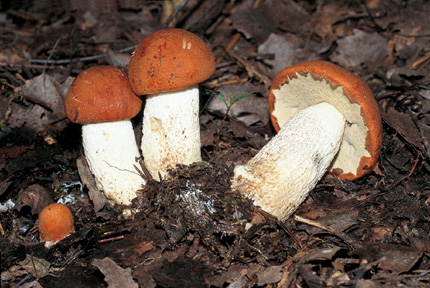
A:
{"x":171,"y":130}
{"x":111,"y":152}
{"x":280,"y":176}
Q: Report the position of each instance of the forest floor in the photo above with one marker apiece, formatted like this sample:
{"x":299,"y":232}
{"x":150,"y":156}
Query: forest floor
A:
{"x":371,"y":232}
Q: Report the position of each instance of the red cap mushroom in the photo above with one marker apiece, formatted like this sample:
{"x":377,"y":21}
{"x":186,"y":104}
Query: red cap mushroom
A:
{"x":326,"y":118}
{"x":102,"y":100}
{"x":55,"y":223}
{"x":313,"y":82}
{"x":167,"y":66}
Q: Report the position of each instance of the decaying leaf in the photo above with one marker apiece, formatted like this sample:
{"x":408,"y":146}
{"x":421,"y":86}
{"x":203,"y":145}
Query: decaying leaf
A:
{"x":287,"y":51}
{"x":35,"y":196}
{"x":360,"y":48}
{"x":97,"y":197}
{"x":115,"y":276}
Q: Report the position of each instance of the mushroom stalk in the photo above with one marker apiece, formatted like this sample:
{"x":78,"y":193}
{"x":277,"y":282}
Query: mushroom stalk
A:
{"x":281,"y":175}
{"x":170,"y":130}
{"x":111,"y":152}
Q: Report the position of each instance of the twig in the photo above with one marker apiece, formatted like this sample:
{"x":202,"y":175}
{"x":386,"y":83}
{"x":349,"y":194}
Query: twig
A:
{"x":395,"y":183}
{"x":175,"y":12}
{"x":81,"y":59}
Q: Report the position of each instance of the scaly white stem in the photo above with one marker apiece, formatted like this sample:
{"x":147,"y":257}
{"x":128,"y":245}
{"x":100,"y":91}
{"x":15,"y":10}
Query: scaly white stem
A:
{"x":171,"y":130}
{"x":111,"y":152}
{"x":280,"y":176}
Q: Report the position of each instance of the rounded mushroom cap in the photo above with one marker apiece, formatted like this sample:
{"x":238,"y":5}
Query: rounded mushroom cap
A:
{"x":313,"y":82}
{"x":168,"y":60}
{"x":55,"y":222}
{"x":101,"y":94}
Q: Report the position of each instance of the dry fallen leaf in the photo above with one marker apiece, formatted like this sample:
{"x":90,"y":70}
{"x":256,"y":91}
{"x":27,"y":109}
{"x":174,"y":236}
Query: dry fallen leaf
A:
{"x":115,"y":276}
{"x":270,"y":275}
{"x":360,"y":48}
{"x":404,"y":125}
{"x":47,"y":95}
{"x":35,"y":196}
{"x":286,"y":50}
{"x":97,"y":197}
{"x":253,"y":23}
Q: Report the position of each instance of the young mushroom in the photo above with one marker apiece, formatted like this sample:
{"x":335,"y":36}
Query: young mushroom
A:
{"x":327,"y":118}
{"x":55,"y":223}
{"x":102,"y":101}
{"x":167,"y":67}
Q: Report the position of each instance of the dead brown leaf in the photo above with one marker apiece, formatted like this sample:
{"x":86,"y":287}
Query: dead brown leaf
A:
{"x":390,"y":257}
{"x":35,"y":196}
{"x":270,"y":275}
{"x":360,"y":48}
{"x":287,"y":51}
{"x":326,"y":19}
{"x":404,"y":125}
{"x":115,"y":276}
{"x":97,"y":197}
{"x":253,"y":23}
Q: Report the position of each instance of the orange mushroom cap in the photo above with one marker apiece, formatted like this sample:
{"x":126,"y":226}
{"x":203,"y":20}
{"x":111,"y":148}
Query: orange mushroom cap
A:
{"x":307,"y":92}
{"x":55,"y":222}
{"x":101,"y":94}
{"x":169,"y":60}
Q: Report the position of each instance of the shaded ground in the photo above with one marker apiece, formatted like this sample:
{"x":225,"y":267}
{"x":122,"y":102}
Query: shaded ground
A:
{"x":193,"y":231}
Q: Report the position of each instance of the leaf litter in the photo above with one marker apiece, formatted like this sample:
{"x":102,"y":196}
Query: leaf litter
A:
{"x":193,"y":231}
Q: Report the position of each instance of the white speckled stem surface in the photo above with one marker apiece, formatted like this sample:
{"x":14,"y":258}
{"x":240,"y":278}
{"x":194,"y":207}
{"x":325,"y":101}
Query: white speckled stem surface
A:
{"x":111,"y":151}
{"x":171,"y":130}
{"x":282,"y":174}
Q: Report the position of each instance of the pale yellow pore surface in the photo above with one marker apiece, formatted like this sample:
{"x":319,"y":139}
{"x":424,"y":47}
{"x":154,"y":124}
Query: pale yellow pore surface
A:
{"x":305,"y":91}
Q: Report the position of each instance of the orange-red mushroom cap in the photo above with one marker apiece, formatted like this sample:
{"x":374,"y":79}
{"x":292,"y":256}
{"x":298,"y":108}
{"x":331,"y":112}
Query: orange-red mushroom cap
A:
{"x":311,"y":77}
{"x":55,"y":222}
{"x":101,"y":94}
{"x":169,"y":60}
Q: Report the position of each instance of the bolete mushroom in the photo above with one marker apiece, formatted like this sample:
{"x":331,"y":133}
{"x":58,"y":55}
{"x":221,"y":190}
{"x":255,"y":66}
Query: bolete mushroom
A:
{"x":55,"y":223}
{"x":167,"y":67}
{"x":309,"y":83}
{"x":326,"y":118}
{"x":287,"y":168}
{"x":102,"y":101}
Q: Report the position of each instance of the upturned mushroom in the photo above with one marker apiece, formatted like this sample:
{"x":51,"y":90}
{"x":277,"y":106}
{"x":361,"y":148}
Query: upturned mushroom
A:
{"x":303,"y":85}
{"x":55,"y":223}
{"x":102,"y":101}
{"x":167,"y":67}
{"x":327,"y":118}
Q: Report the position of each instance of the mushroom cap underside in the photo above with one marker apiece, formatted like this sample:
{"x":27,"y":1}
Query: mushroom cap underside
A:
{"x":300,"y":86}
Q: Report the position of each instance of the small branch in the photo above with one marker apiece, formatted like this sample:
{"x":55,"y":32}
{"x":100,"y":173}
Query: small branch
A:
{"x":81,"y":59}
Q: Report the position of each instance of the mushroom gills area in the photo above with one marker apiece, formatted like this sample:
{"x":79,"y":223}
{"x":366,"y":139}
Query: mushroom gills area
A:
{"x":171,"y":130}
{"x":280,"y":176}
{"x":304,"y":91}
{"x":111,"y":152}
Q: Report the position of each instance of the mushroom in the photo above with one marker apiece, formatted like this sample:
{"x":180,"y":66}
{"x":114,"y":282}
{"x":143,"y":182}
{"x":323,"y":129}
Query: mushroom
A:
{"x":167,"y":67}
{"x":312,"y":82}
{"x":102,"y":101}
{"x":55,"y":223}
{"x":326,"y":118}
{"x":280,"y":176}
